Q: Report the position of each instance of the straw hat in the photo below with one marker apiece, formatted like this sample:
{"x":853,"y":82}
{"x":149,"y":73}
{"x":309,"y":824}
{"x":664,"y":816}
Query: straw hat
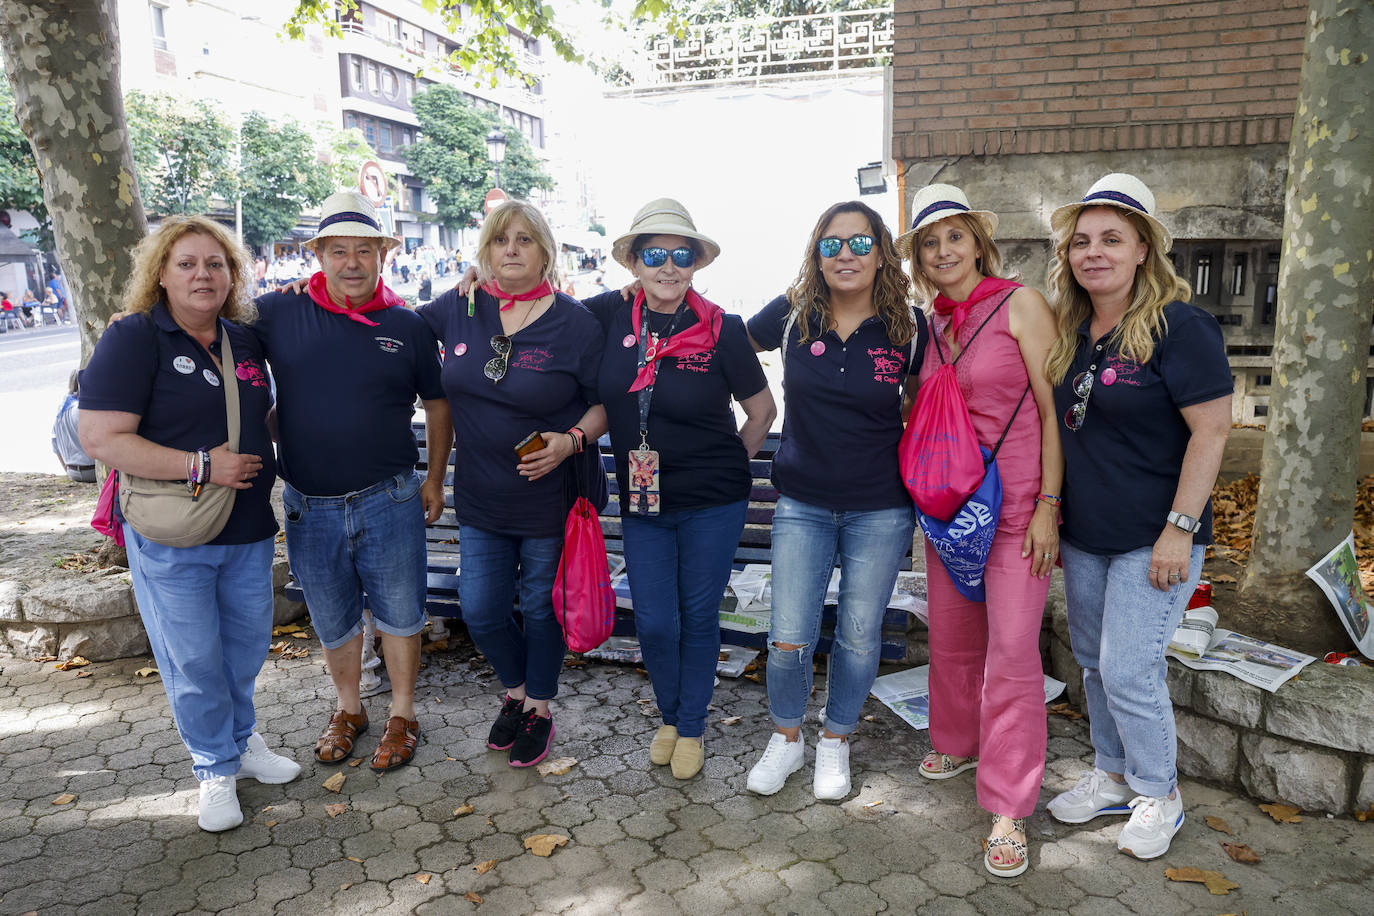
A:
{"x":1125,"y":192}
{"x":350,"y":213}
{"x":664,"y":216}
{"x":935,"y":202}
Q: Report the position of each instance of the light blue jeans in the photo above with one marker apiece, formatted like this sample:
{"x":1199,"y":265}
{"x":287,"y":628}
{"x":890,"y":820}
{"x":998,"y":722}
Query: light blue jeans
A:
{"x":807,"y":541}
{"x":208,"y":613}
{"x":1120,"y":626}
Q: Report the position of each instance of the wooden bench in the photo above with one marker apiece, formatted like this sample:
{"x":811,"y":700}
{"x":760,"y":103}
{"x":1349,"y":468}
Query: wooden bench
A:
{"x":755,"y":546}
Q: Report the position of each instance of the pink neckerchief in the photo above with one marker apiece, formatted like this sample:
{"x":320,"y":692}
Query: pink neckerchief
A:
{"x":986,"y":287}
{"x":539,"y":292}
{"x":383,"y":298}
{"x":699,"y":338}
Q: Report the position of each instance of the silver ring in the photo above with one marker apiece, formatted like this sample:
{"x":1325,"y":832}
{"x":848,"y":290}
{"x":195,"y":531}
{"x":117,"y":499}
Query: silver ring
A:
{"x":1153,"y":570}
{"x":1174,"y":577}
{"x":1047,"y":556}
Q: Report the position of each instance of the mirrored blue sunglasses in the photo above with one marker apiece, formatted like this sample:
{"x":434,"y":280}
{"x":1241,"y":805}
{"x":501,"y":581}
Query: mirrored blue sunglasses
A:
{"x":657,"y":257}
{"x":859,"y":244}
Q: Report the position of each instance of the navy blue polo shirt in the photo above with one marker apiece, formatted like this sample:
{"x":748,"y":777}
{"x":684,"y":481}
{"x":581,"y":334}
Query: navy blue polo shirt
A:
{"x":844,"y":412}
{"x":550,"y":381}
{"x":691,"y":423}
{"x":345,"y":391}
{"x":146,"y":364}
{"x":1121,"y":467}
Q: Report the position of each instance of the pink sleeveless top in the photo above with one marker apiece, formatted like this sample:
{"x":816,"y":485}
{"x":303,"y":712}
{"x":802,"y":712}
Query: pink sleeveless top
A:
{"x":992,"y":376}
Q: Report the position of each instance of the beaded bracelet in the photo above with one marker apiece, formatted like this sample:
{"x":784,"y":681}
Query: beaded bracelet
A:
{"x":1049,"y":498}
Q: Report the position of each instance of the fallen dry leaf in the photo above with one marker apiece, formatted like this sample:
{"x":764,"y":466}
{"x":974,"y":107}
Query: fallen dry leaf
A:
{"x":1065,"y":710}
{"x":335,"y":782}
{"x":575,"y":663}
{"x":543,"y":844}
{"x":1363,"y":816}
{"x":1214,"y":881}
{"x":346,"y":885}
{"x":300,"y":635}
{"x":287,"y":629}
{"x":66,"y":798}
{"x":1283,"y":814}
{"x":1223,"y":577}
{"x":83,"y":674}
{"x":146,"y":672}
{"x":437,"y":645}
{"x":483,"y":867}
{"x":1219,"y":825}
{"x":730,"y":720}
{"x":752,"y":666}
{"x":270,"y":824}
{"x":753,"y":677}
{"x":463,"y":810}
{"x":335,"y":810}
{"x":472,"y":897}
{"x":1241,"y":853}
{"x":870,"y":718}
{"x":43,"y":658}
{"x":423,"y":877}
{"x":354,"y":859}
{"x":356,"y":762}
{"x":557,"y":766}
{"x":76,"y":661}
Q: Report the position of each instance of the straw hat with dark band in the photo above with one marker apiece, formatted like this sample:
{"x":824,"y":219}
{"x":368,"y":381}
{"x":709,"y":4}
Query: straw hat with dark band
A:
{"x":664,"y":216}
{"x":935,"y":202}
{"x":1125,"y":192}
{"x":349,"y":213}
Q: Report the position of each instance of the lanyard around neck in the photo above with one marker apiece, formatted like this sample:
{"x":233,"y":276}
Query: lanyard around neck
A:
{"x":646,"y":353}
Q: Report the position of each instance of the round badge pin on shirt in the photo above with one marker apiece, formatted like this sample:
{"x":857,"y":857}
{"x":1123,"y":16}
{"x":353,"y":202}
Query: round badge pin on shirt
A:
{"x":460,"y":349}
{"x":211,"y":377}
{"x":1108,"y":375}
{"x":184,"y":364}
{"x":817,"y":348}
{"x":627,"y":341}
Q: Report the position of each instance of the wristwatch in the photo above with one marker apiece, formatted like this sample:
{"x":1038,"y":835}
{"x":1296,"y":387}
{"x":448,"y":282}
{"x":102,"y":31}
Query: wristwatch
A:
{"x":1184,"y":522}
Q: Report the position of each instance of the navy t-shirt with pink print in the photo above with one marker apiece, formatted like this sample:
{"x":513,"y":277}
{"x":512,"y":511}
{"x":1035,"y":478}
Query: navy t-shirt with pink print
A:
{"x":842,"y":419}
{"x":146,"y":364}
{"x":550,"y":381}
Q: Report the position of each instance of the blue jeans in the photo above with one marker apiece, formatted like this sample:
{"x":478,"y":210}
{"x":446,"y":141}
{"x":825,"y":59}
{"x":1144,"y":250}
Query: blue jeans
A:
{"x":679,"y":564}
{"x":1120,"y":626}
{"x":372,"y":540}
{"x":492,"y":565}
{"x":807,"y":540}
{"x":208,"y":613}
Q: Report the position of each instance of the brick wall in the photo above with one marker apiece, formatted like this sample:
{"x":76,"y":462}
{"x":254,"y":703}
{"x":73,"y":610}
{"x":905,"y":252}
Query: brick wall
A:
{"x":986,"y":77}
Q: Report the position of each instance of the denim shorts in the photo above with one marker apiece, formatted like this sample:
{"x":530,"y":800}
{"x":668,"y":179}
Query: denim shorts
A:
{"x":369,"y":541}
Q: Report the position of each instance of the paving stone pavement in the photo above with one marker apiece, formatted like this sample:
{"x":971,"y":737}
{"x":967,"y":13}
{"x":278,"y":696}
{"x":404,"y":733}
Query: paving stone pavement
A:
{"x":640,"y":840}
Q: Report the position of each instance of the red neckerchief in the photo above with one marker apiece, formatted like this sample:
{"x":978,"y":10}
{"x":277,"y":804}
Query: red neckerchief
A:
{"x":500,"y":295}
{"x":699,"y":338}
{"x":383,"y":298}
{"x":986,"y":287}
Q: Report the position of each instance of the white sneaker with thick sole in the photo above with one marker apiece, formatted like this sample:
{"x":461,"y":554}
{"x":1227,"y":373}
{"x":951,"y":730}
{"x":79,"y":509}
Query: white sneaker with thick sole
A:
{"x":831,"y":781}
{"x":257,"y":762}
{"x":219,"y":804}
{"x":1096,"y":794}
{"x":781,"y":758}
{"x":1152,"y":826}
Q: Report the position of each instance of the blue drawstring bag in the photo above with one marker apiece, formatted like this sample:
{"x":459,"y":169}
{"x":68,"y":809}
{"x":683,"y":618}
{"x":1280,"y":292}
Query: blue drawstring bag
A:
{"x":964,"y":541}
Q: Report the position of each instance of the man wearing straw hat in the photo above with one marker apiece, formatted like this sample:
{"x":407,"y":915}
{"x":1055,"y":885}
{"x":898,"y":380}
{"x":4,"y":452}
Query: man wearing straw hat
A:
{"x":349,"y":360}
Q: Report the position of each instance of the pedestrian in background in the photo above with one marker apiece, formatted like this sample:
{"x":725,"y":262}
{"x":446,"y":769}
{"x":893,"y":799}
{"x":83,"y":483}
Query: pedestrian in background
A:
{"x":66,"y":441}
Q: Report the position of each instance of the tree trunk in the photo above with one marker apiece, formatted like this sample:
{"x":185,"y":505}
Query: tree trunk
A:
{"x":63,"y":61}
{"x":1322,"y":337}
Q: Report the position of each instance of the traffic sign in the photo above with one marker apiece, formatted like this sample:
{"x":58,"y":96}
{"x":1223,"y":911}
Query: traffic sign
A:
{"x":372,"y":182}
{"x":495,"y":197}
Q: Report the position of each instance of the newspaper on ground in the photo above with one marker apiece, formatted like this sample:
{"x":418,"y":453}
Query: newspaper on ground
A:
{"x":907,"y":693}
{"x":1338,"y":574}
{"x":625,"y":650}
{"x":1200,"y":644}
{"x":752,"y":591}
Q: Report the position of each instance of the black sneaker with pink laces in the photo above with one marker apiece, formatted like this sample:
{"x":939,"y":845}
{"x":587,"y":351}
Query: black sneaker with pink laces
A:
{"x":506,"y":726}
{"x":533,"y":741}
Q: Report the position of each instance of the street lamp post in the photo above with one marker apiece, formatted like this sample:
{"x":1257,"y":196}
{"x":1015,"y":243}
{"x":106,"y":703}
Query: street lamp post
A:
{"x":496,"y":152}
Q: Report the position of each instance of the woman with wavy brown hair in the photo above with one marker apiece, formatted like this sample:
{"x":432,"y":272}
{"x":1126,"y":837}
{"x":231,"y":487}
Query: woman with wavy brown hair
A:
{"x":849,"y":340}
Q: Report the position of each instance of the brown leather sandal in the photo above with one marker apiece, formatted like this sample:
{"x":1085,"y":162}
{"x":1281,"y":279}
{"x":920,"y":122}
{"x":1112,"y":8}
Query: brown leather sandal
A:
{"x":397,"y":746}
{"x":335,"y":744}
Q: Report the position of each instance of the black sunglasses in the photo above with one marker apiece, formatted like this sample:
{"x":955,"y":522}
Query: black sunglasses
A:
{"x":495,"y":369}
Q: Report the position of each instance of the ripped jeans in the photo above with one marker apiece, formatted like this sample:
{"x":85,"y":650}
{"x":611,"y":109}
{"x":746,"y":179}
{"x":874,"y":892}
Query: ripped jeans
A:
{"x":807,"y":542}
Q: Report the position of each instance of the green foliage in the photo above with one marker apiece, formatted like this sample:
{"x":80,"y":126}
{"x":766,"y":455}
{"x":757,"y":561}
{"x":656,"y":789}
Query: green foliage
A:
{"x":598,"y":229}
{"x":347,"y":149}
{"x":19,"y":185}
{"x":451,"y":156}
{"x":281,"y":176}
{"x":183,"y":151}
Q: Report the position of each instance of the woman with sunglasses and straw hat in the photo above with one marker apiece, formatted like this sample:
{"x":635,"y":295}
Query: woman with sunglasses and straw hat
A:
{"x":849,"y":341}
{"x":987,"y":701}
{"x":519,"y":359}
{"x":672,"y":363}
{"x":1144,"y":388}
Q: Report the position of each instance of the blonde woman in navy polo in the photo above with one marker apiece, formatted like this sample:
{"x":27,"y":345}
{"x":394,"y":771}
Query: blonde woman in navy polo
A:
{"x":519,"y":358}
{"x":850,"y":340}
{"x":152,"y":404}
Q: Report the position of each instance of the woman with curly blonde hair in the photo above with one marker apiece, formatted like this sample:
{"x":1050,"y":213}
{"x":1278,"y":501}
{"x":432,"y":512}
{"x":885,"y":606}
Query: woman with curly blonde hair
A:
{"x":1144,"y":387}
{"x":153,"y":404}
{"x":849,"y":339}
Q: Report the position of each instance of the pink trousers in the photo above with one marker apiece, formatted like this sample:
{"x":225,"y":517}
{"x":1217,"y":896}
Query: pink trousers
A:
{"x":987,"y":696}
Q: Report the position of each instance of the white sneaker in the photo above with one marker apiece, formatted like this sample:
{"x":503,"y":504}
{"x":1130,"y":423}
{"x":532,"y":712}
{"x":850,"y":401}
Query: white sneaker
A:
{"x":257,"y":762}
{"x":1096,"y":794}
{"x":1153,"y":823}
{"x":781,"y":758}
{"x":831,"y":781}
{"x":219,"y":804}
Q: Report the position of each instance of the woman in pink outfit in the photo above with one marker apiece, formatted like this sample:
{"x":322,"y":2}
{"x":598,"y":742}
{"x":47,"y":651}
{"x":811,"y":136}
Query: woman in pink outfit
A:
{"x":987,"y":701}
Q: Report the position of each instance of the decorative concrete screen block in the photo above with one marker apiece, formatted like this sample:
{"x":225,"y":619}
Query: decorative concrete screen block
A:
{"x":79,"y":599}
{"x":1206,"y":749}
{"x":106,"y":639}
{"x":1326,"y":705}
{"x":1217,"y":694}
{"x":1281,"y":770}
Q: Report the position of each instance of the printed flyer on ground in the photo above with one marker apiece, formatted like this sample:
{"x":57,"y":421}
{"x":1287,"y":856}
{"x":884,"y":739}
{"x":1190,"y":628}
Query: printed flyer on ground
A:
{"x":1338,"y":574}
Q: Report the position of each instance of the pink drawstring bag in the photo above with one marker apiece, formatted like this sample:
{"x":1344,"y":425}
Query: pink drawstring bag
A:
{"x":938,"y":454}
{"x":104,"y":519}
{"x":583,"y":600}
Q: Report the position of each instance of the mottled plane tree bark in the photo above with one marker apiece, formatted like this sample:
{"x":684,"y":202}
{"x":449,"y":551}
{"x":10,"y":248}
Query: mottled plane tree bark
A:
{"x":63,"y":61}
{"x":1322,"y":337}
